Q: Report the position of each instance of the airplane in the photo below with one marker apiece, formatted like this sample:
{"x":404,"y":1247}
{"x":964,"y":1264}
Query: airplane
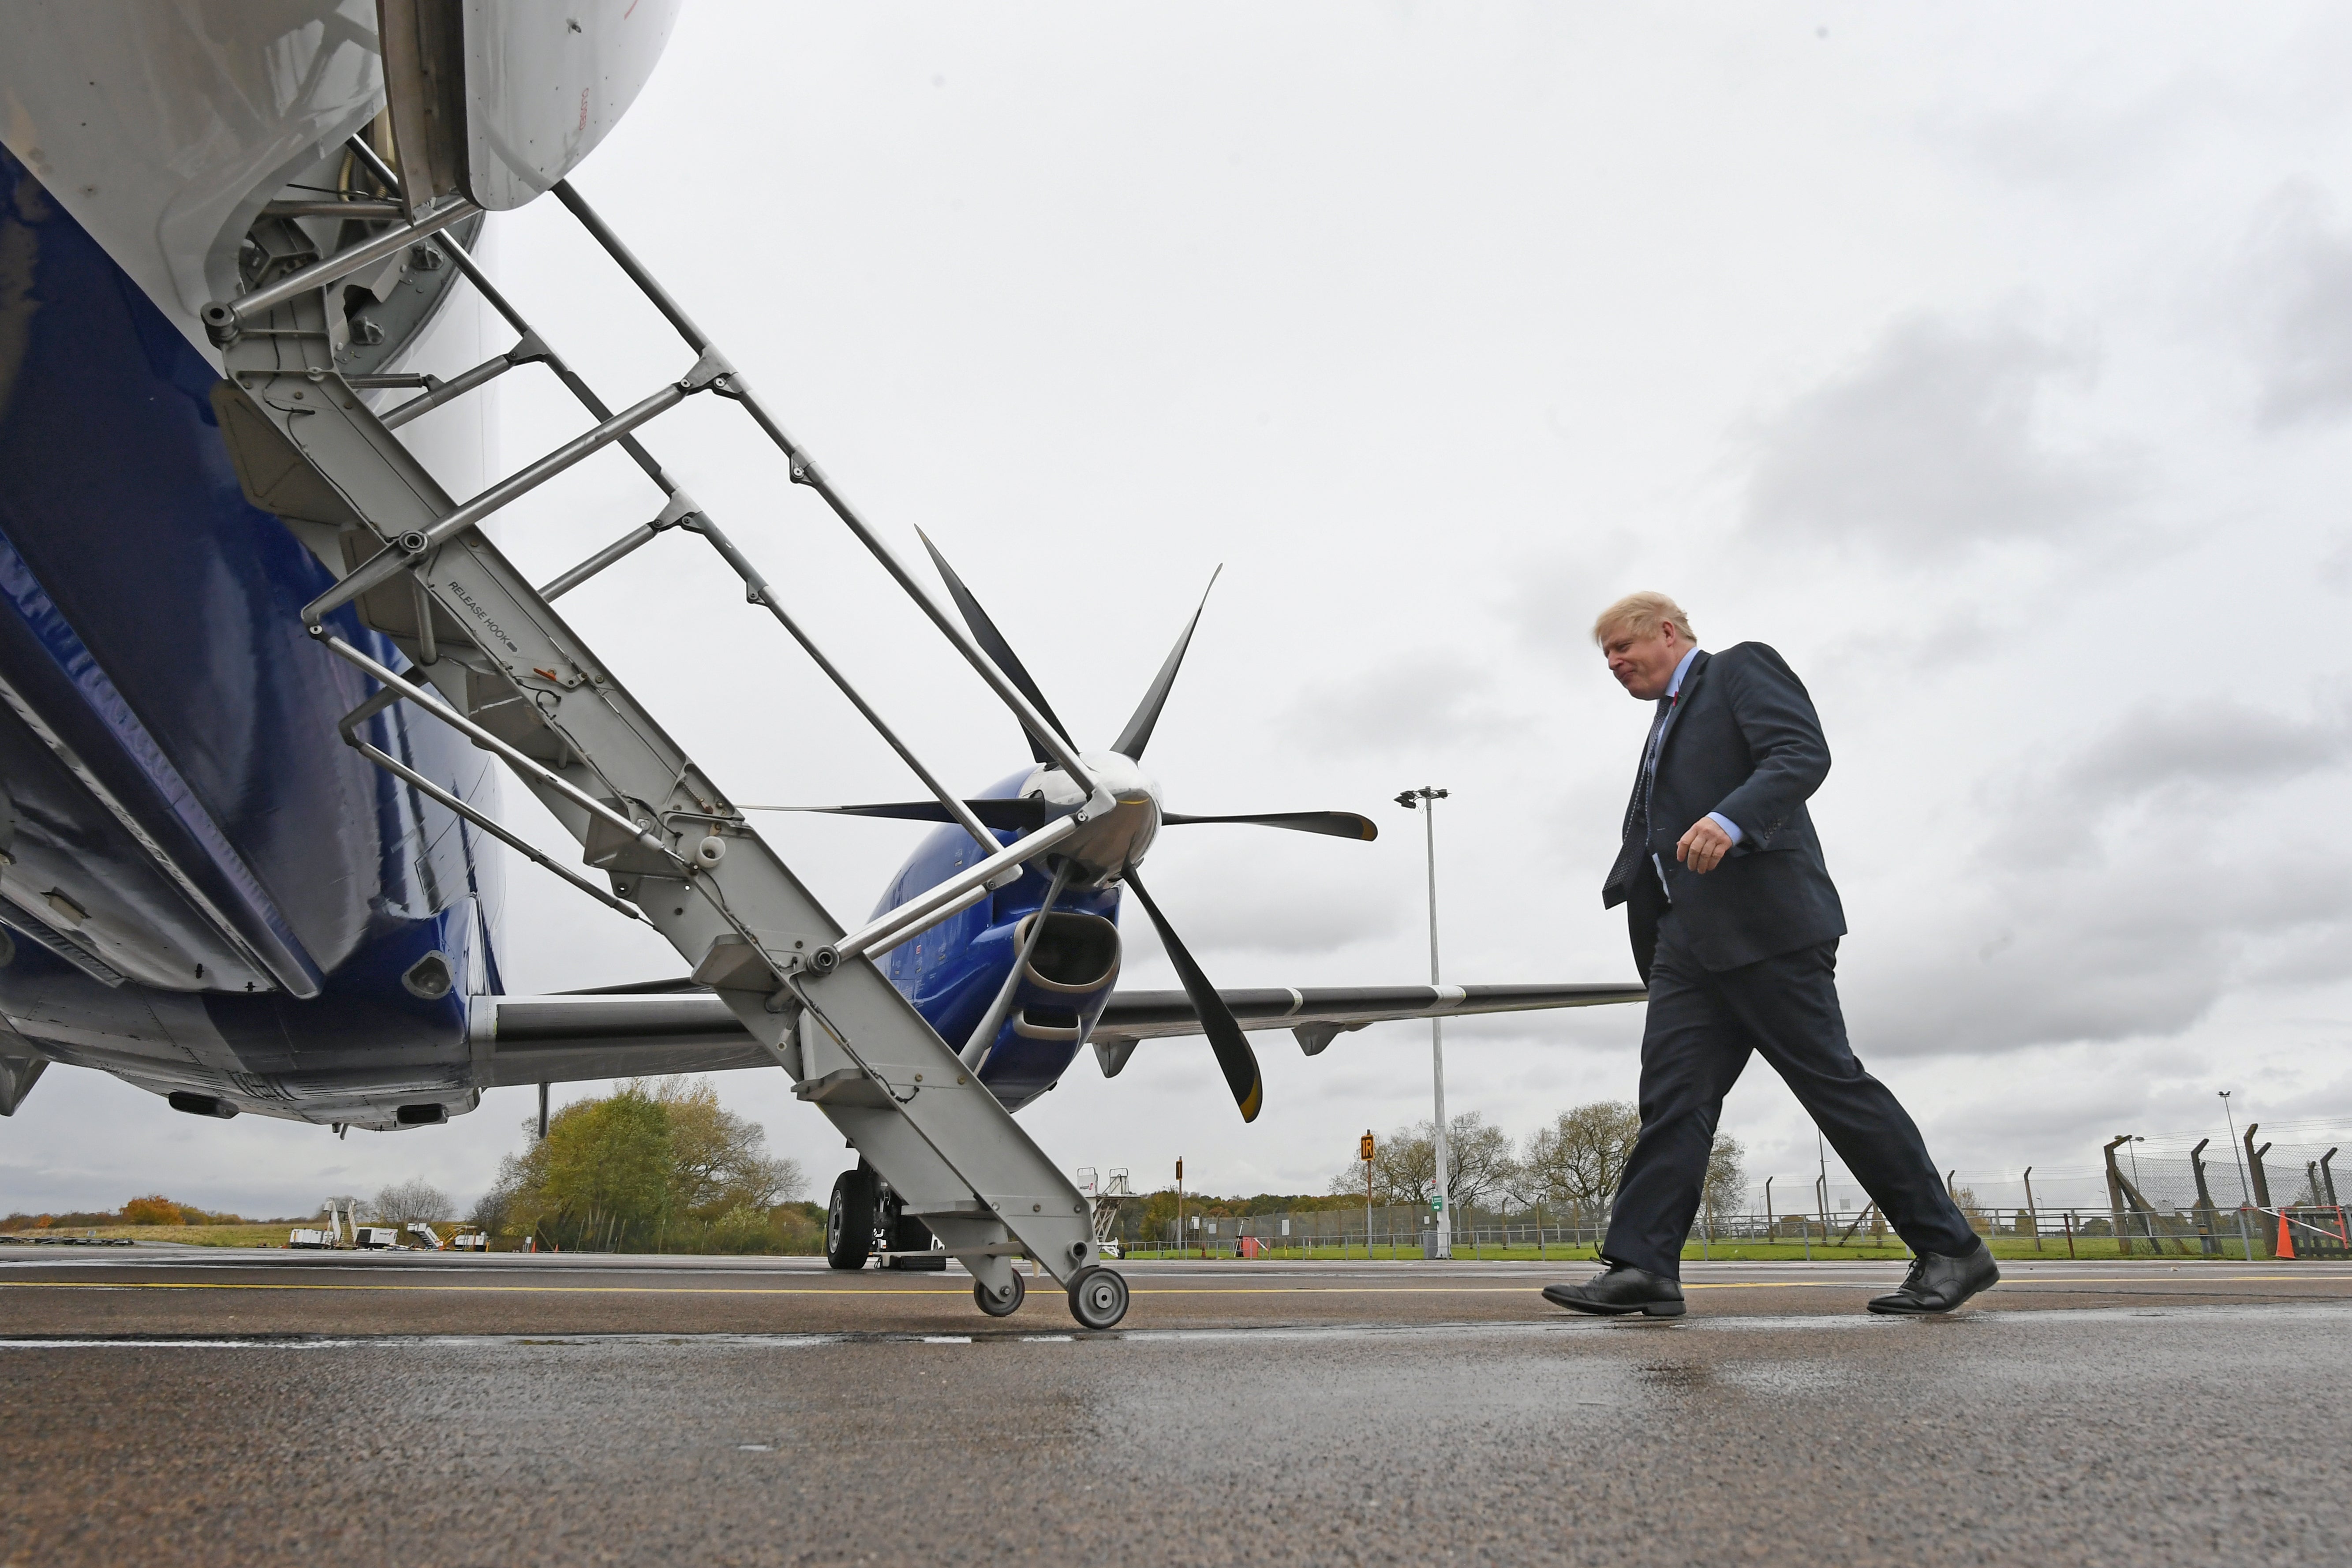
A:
{"x":250,"y":857}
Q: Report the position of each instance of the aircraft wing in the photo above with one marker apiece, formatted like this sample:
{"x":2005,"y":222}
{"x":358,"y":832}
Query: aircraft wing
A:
{"x":675,"y":1025}
{"x":667,"y":1026}
{"x":1319,"y":1015}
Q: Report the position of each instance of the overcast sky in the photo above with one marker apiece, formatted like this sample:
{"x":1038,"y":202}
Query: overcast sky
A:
{"x":1994,"y":365}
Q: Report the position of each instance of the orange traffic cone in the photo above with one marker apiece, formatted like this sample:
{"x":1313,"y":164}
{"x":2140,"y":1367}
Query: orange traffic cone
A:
{"x":2285,"y":1240}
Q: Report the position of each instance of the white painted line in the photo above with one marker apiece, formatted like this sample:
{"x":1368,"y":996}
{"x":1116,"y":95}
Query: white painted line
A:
{"x":176,"y":1345}
{"x":947,"y":1338}
{"x":1047,"y":1339}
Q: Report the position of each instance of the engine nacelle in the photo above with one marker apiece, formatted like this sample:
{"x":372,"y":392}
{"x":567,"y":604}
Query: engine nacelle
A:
{"x":1059,"y":994}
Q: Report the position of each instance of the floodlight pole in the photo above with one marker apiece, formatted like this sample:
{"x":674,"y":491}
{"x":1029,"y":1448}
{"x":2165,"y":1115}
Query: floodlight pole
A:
{"x":2245,"y":1189}
{"x":1821,"y":1188}
{"x":1428,"y":798}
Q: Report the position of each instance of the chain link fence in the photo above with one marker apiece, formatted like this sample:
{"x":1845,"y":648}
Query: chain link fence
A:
{"x":2171,"y":1196}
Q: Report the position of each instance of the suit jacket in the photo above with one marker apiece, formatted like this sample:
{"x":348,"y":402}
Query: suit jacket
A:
{"x":1742,"y":739}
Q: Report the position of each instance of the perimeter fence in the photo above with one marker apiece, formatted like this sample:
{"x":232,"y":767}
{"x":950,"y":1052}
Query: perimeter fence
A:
{"x":2174,"y":1195}
{"x":1405,"y":1231}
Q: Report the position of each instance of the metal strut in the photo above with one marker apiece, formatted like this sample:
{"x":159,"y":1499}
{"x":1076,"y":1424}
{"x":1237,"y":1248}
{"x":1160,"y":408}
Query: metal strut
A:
{"x":680,"y":510}
{"x":493,"y":659}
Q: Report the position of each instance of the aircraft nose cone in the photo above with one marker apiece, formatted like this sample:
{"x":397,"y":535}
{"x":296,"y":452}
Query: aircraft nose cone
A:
{"x":1109,"y":844}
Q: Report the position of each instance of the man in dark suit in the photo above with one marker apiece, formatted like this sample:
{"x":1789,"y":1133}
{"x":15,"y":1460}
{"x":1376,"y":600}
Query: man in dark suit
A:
{"x":1736,"y":925}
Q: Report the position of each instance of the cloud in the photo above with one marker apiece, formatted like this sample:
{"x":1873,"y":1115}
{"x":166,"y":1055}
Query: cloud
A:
{"x":1936,"y":440}
{"x":2297,"y":282}
{"x":2167,"y":770}
{"x":2123,"y":889}
{"x":1424,"y":701}
{"x":2211,"y":742}
{"x":1553,"y":596}
{"x":2144,"y":947}
{"x":1245,"y":894}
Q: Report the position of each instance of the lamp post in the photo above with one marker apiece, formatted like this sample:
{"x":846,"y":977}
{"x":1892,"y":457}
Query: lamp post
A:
{"x":1821,"y":1186}
{"x":1428,"y":798}
{"x":2245,"y":1189}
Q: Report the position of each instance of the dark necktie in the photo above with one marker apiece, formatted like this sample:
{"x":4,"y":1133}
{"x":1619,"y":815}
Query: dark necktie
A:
{"x":1650,"y":760}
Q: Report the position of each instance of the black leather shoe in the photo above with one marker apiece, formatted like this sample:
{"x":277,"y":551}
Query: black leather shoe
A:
{"x":1937,"y":1285}
{"x":1620,"y":1292}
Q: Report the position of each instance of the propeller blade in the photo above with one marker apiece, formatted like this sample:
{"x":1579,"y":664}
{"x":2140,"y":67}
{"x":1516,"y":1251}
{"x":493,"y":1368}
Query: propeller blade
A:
{"x":1337,"y":823}
{"x":1225,"y":1037}
{"x":1137,"y":734}
{"x":993,"y":643}
{"x":1024,"y":815}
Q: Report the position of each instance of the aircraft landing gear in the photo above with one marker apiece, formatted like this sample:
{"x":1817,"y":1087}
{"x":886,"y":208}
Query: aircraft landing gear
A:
{"x":1098,"y":1297}
{"x":849,"y":1218}
{"x":997,"y":1306}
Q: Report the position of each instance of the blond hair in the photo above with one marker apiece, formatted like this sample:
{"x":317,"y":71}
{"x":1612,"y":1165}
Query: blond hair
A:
{"x":1642,"y":614}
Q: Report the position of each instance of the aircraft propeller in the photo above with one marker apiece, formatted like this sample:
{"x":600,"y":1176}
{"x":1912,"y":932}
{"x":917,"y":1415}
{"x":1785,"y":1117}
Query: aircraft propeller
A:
{"x":1028,"y":814}
{"x":1234,"y":1056}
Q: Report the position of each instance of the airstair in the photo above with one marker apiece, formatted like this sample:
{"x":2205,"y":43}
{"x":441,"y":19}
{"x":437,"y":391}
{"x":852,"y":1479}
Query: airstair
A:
{"x":491,"y":657}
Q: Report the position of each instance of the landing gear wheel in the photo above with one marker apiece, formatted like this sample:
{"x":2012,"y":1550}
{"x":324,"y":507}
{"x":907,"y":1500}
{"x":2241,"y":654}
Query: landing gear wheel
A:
{"x":1098,"y":1298}
{"x":999,"y":1306}
{"x":849,"y":1220}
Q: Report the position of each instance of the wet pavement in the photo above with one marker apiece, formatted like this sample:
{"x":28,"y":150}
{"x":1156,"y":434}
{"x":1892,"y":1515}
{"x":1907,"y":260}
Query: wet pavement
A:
{"x":185,"y":1406}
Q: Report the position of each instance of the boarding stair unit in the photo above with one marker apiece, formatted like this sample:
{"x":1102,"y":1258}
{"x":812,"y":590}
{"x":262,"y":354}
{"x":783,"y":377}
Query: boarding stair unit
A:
{"x":490,"y":656}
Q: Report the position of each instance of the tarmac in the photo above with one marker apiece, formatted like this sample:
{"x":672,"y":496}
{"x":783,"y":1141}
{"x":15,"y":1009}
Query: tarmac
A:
{"x":197,"y":1406}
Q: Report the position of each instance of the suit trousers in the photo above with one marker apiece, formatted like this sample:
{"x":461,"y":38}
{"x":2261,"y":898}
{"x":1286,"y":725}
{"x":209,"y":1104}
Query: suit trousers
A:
{"x":1702,"y":1028}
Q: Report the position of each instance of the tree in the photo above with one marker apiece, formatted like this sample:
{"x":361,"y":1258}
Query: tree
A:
{"x":1478,"y":1158}
{"x":1727,"y":1177}
{"x":658,"y":1163}
{"x":1481,"y":1158}
{"x":492,"y":1209}
{"x":715,"y":1164}
{"x":608,"y":1158}
{"x":1402,"y":1164}
{"x":1576,"y":1162}
{"x":415,"y":1199}
{"x":1978,"y":1221}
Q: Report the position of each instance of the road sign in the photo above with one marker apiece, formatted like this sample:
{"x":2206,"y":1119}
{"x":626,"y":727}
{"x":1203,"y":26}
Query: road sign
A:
{"x":1364,"y":1146}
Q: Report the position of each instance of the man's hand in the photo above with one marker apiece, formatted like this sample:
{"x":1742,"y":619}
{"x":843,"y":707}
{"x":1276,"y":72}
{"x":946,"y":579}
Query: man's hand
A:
{"x":1704,"y":847}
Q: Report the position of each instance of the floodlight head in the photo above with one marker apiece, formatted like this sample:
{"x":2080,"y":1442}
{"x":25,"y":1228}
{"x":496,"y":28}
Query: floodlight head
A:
{"x":1406,"y":800}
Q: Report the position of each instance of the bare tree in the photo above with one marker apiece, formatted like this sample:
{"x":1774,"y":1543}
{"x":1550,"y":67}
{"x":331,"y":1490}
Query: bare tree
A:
{"x":414,"y":1199}
{"x":1482,"y":1161}
{"x":1577,"y":1162}
{"x":1478,"y":1157}
{"x":490,"y":1211}
{"x":1402,"y":1164}
{"x":1727,"y":1177}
